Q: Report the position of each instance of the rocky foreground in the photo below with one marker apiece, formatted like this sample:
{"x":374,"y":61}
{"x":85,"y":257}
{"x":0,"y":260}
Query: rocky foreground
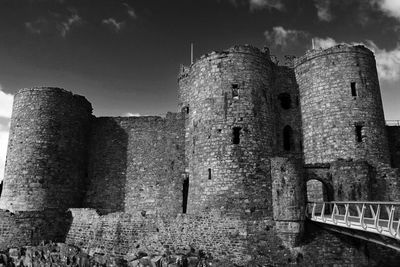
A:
{"x":60,"y":254}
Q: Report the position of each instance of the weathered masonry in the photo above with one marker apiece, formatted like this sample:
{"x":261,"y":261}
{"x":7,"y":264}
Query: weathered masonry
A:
{"x":228,"y":174}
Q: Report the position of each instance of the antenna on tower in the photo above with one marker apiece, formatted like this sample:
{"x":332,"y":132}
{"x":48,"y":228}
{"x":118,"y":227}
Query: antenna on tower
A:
{"x":191,"y":53}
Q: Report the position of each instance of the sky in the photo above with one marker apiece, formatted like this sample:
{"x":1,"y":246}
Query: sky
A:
{"x":124,"y":56}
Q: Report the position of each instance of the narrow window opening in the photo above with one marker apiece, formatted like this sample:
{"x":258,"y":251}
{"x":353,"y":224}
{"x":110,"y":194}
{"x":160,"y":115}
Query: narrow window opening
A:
{"x":359,"y":133}
{"x":235,"y":91}
{"x":1,"y":188}
{"x":236,"y":135}
{"x":287,"y":138}
{"x":353,"y":89}
{"x":209,"y":174}
{"x":185,"y":109}
{"x":286,"y":101}
{"x":185,"y":193}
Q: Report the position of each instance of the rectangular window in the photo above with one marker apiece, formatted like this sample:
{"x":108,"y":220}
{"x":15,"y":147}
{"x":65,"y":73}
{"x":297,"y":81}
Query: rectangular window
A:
{"x":353,"y":89}
{"x":209,"y":174}
{"x":236,"y":135}
{"x":359,"y":136}
{"x":185,"y":193}
{"x":235,"y":91}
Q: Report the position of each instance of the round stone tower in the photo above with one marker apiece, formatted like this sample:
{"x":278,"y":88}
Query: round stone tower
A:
{"x":341,"y":106}
{"x":229,"y":130}
{"x":46,"y":157}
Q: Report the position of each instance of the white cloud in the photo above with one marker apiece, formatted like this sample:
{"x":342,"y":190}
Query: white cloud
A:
{"x":65,"y":26}
{"x":37,"y":26}
{"x":56,"y":23}
{"x":6,"y":101}
{"x":131,"y":12}
{"x":129,"y":114}
{"x":324,"y":43}
{"x":258,"y":4}
{"x":114,"y":24}
{"x":323,"y":9}
{"x":387,"y":62}
{"x":268,"y":4}
{"x":3,"y":151}
{"x":282,"y":38}
{"x":389,"y":7}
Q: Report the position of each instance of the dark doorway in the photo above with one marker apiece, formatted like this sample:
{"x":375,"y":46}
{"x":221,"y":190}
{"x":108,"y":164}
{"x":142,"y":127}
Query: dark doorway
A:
{"x":185,"y":193}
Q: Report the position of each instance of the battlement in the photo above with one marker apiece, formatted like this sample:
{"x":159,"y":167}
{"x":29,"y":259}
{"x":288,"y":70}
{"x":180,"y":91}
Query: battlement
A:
{"x":43,"y":90}
{"x":215,"y":55}
{"x":340,"y":48}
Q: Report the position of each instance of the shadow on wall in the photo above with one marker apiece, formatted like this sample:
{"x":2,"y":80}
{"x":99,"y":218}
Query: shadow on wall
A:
{"x":317,"y":191}
{"x":107,"y":166}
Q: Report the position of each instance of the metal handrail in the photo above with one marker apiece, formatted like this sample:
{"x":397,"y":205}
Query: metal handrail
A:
{"x":393,"y":122}
{"x":371,"y":216}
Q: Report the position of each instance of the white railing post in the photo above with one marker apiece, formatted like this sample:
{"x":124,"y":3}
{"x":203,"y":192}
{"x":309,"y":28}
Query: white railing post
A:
{"x":346,"y":215}
{"x":313,"y":210}
{"x":334,"y":210}
{"x":376,"y":219}
{"x":390,"y":221}
{"x":362,"y":222}
{"x":323,"y":212}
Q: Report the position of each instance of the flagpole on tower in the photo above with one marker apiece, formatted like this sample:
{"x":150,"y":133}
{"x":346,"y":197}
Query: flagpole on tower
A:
{"x":191,"y":53}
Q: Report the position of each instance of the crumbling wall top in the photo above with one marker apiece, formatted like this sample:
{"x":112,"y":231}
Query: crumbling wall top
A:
{"x":236,"y":49}
{"x":340,"y":48}
{"x":62,"y":92}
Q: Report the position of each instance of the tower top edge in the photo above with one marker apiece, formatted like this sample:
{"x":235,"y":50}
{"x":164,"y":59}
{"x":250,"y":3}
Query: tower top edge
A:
{"x":339,"y":48}
{"x":58,"y":90}
{"x":236,"y":49}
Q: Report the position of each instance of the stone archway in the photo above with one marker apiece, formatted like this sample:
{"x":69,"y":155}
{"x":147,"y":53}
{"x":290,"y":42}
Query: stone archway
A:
{"x":316,"y":191}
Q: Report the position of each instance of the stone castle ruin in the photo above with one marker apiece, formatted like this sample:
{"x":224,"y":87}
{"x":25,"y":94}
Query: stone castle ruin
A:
{"x":228,"y":174}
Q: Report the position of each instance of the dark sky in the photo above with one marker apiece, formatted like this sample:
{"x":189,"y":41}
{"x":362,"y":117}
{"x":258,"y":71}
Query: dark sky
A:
{"x":124,"y":55}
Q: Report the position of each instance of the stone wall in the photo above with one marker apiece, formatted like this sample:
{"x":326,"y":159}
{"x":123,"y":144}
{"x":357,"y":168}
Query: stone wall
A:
{"x":229,"y":130}
{"x":341,"y":105}
{"x":288,"y":198}
{"x":316,"y":191}
{"x":288,"y":139}
{"x":228,"y":239}
{"x":32,"y":227}
{"x":352,"y":180}
{"x":137,"y":164}
{"x":128,"y":235}
{"x":47,"y":150}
